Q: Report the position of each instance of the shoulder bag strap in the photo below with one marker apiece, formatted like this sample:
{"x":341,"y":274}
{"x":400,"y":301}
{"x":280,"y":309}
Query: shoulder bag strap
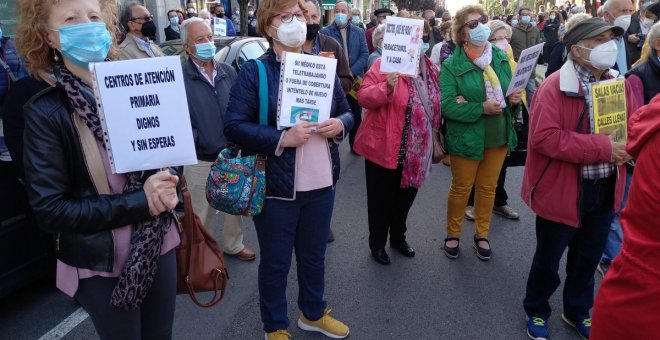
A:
{"x":263,"y":93}
{"x":92,"y":157}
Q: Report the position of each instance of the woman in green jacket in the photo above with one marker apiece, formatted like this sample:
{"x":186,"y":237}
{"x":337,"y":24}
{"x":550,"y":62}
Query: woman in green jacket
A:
{"x":479,"y":124}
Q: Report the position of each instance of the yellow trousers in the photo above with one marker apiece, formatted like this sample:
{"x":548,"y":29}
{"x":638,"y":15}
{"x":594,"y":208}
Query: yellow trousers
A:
{"x":483,"y":175}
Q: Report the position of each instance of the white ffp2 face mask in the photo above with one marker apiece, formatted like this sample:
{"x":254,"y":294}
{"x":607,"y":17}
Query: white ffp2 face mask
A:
{"x":292,"y":33}
{"x":623,"y":21}
{"x":603,"y":56}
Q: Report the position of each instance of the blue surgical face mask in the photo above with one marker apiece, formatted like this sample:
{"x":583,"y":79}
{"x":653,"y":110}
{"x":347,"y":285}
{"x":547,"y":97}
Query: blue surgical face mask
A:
{"x":479,"y":35}
{"x":341,"y":19}
{"x":174,"y":21}
{"x":355,"y":20}
{"x":514,"y":22}
{"x":425,"y":47}
{"x":85,"y":43}
{"x":525,"y":19}
{"x":205,"y":51}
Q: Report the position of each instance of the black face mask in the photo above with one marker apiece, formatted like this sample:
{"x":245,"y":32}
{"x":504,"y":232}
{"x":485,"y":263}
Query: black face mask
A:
{"x":432,"y":22}
{"x":312,"y":31}
{"x":148,"y":29}
{"x":220,"y":15}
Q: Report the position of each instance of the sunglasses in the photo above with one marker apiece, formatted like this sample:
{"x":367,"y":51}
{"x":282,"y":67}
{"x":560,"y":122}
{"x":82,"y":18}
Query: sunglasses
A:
{"x":472,"y":24}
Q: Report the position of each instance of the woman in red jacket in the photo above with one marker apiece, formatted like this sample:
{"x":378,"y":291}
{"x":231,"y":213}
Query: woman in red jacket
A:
{"x":627,"y":302}
{"x":396,"y":141}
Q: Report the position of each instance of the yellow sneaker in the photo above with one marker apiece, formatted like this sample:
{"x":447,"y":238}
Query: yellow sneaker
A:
{"x":327,"y":325}
{"x":280,"y":334}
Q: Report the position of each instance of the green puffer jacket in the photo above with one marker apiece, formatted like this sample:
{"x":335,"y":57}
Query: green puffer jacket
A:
{"x":465,"y":122}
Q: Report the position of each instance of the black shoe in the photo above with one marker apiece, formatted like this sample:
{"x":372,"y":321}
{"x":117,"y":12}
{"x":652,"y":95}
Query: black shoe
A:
{"x":482,"y":253}
{"x":331,"y":236}
{"x":452,"y":252}
{"x":380,"y":256}
{"x":404,"y":248}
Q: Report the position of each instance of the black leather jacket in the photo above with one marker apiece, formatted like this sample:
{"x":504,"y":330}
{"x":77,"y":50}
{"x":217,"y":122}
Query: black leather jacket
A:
{"x":61,"y":191}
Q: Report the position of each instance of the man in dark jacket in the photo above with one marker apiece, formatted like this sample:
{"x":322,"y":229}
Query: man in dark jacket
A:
{"x":207,"y":88}
{"x":354,"y":43}
{"x":525,"y":35}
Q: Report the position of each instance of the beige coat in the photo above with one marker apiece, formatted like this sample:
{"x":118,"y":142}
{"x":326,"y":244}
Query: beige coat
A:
{"x":131,"y":50}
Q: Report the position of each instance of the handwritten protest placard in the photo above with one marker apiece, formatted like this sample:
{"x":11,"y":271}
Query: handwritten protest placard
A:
{"x":609,"y":108}
{"x":307,"y":84}
{"x":143,"y":109}
{"x":525,"y":68}
{"x":219,"y":27}
{"x":402,"y":46}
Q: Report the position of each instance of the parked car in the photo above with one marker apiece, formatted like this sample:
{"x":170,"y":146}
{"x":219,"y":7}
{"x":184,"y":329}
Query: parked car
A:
{"x":234,"y":51}
{"x":26,"y":252}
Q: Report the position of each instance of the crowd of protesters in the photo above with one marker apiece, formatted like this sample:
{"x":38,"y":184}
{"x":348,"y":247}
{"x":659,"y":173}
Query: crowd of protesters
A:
{"x":594,"y":198}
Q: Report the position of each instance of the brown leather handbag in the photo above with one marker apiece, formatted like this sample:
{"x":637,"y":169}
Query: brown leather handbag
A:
{"x":200,"y":265}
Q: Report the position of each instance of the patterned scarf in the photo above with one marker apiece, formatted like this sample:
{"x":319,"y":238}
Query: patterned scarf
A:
{"x":138,"y":273}
{"x":419,"y":141}
{"x":491,"y":81}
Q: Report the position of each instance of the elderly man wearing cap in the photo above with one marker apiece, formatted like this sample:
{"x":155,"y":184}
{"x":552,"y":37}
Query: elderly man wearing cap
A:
{"x":574,"y":179}
{"x":381,"y":14}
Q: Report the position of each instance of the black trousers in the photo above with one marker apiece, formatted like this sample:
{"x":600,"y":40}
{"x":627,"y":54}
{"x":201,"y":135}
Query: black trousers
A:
{"x":585,"y":248}
{"x":357,"y":118}
{"x":154,"y":318}
{"x":501,"y":196}
{"x":388,"y":205}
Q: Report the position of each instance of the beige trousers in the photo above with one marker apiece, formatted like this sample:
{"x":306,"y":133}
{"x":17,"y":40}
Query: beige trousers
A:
{"x":232,"y":232}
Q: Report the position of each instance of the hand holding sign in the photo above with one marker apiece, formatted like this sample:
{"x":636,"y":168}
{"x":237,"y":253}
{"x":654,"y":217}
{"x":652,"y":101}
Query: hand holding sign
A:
{"x":330,"y":128}
{"x":160,"y":189}
{"x":392,"y":81}
{"x":297,"y":135}
{"x":515,"y":97}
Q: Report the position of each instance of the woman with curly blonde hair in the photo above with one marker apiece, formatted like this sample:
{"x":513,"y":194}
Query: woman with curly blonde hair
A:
{"x":479,"y":124}
{"x":115,"y":238}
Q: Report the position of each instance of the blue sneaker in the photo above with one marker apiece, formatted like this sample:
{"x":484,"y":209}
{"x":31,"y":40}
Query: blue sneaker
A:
{"x":537,"y":328}
{"x":583,"y":327}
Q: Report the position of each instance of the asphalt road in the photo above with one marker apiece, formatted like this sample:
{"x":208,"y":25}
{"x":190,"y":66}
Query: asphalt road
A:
{"x":426,"y":297}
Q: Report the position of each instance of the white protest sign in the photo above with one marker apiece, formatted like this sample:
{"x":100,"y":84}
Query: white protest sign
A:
{"x":307,"y":84}
{"x":401,"y":46}
{"x":525,"y":68}
{"x":220,"y":27}
{"x":143,"y":109}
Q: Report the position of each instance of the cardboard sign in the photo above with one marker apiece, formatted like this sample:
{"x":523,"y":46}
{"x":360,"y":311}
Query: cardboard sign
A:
{"x":143,"y":109}
{"x":402,"y":46}
{"x":307,"y":84}
{"x":525,"y":68}
{"x":219,"y":27}
{"x":608,"y":110}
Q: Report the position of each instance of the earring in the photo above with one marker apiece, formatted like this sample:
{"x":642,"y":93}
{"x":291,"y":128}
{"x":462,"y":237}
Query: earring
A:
{"x":55,"y":55}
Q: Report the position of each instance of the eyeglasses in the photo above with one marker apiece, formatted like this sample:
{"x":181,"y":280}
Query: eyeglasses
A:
{"x":287,"y":17}
{"x":472,"y":24}
{"x":144,"y":19}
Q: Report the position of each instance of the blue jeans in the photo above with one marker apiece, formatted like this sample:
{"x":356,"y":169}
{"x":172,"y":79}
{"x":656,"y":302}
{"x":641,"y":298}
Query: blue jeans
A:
{"x":615,"y":238}
{"x":585,"y":247}
{"x":282,"y":227}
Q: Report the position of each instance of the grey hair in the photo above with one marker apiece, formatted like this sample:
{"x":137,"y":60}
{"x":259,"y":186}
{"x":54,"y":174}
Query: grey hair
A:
{"x":316,"y":4}
{"x":378,"y":35}
{"x":127,"y":14}
{"x":577,"y":9}
{"x":203,"y":13}
{"x":184,"y":28}
{"x":496,"y":25}
{"x":653,"y":34}
{"x":356,"y":10}
{"x":575,"y":19}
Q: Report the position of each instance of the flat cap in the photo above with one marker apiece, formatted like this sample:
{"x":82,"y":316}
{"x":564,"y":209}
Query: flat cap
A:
{"x":588,"y":29}
{"x":383,"y":10}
